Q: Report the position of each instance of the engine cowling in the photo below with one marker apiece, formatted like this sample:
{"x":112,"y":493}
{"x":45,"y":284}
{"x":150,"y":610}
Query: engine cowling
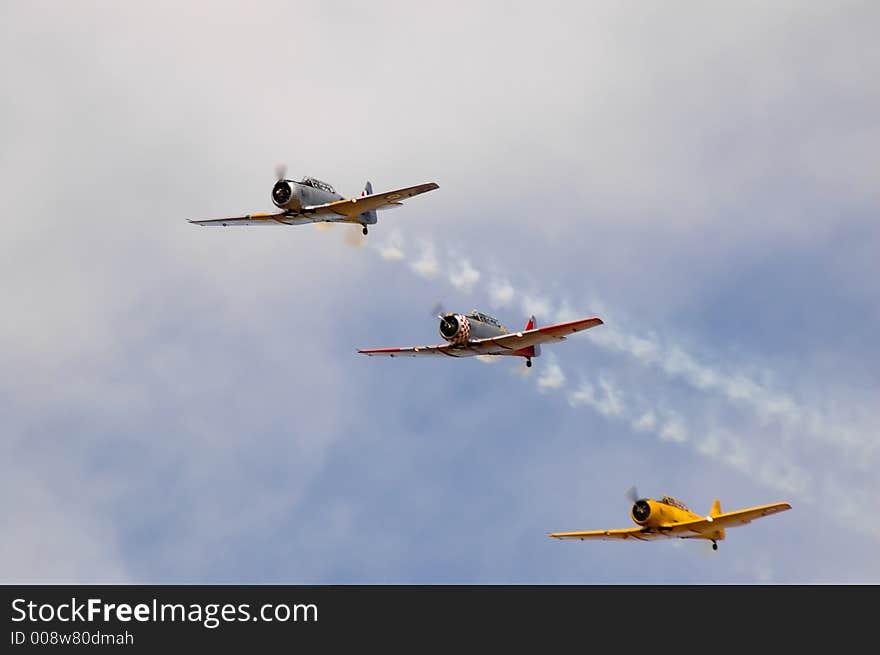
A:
{"x":455,"y":328}
{"x":641,"y":511}
{"x":284,"y":195}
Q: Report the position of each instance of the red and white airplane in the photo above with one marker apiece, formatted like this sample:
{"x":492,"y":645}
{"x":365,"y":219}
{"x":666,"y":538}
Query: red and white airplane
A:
{"x":481,"y":334}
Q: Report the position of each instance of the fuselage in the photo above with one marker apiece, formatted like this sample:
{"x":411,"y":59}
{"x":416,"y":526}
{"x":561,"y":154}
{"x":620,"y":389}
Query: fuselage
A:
{"x":296,"y":197}
{"x":292,"y":195}
{"x":459,"y":328}
{"x":654,"y":515}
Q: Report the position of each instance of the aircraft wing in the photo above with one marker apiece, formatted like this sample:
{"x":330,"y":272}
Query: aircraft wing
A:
{"x":256,"y":219}
{"x":351,"y":208}
{"x":684,"y":529}
{"x":508,"y":343}
{"x":446,"y":349}
{"x":340,"y":210}
{"x":725,"y":520}
{"x":607,"y":535}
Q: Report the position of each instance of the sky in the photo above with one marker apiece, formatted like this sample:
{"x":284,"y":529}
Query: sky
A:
{"x":182,"y":404}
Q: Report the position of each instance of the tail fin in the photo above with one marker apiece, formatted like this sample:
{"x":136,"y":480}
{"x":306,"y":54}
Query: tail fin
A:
{"x":531,"y":351}
{"x":718,"y":534}
{"x":368,"y":218}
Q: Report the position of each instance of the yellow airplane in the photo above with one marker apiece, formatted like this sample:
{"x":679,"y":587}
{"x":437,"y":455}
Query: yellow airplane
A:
{"x":668,"y":517}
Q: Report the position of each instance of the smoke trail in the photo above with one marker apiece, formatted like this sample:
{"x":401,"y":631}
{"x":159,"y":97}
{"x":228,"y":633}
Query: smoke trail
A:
{"x":465,"y":276}
{"x":426,"y":265}
{"x":392,"y":248}
{"x":609,"y":403}
{"x":672,"y":360}
{"x":551,"y":376}
{"x":501,"y":293}
{"x":767,"y":457}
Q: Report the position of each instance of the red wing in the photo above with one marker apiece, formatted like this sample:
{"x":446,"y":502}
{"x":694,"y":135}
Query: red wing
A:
{"x":508,"y":343}
{"x":419,"y":351}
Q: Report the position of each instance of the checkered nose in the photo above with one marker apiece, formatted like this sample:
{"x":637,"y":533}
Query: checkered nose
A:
{"x":455,"y":328}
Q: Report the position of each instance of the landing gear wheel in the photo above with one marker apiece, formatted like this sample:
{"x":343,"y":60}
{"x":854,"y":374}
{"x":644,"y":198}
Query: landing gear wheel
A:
{"x":714,"y":546}
{"x":365,"y":230}
{"x":529,"y":363}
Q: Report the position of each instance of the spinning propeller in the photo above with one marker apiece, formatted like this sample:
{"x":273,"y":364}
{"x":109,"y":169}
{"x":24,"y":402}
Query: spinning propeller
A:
{"x":641,"y":509}
{"x":281,"y":192}
{"x":447,"y":325}
{"x":633,"y":494}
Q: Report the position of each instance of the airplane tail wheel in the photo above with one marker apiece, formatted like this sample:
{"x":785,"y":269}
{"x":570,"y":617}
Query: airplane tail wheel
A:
{"x":529,"y":363}
{"x":714,"y":546}
{"x":365,"y":230}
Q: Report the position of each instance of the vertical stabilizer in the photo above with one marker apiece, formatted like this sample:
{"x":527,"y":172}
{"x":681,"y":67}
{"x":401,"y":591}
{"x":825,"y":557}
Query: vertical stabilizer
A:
{"x":368,"y":218}
{"x":716,"y":508}
{"x":531,"y":351}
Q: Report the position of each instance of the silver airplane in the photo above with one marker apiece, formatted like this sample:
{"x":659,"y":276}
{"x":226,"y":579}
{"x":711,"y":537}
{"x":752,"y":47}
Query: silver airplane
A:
{"x":480,"y":334}
{"x":312,"y":201}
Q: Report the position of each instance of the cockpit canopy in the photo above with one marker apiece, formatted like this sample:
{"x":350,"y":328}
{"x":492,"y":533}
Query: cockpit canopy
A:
{"x":669,"y":500}
{"x":317,"y":184}
{"x":484,"y":318}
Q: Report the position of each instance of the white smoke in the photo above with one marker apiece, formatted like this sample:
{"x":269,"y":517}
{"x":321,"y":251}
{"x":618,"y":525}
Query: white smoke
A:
{"x":551,"y":377}
{"x":392,"y":248}
{"x":766,"y":457}
{"x":464,"y":276}
{"x":501,"y":293}
{"x":608,"y":403}
{"x":535,"y":304}
{"x":426,"y":265}
{"x":645,"y":423}
{"x":673,"y":430}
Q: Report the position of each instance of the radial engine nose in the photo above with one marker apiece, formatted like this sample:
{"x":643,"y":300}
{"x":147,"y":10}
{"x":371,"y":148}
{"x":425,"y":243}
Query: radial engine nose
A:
{"x":449,"y":326}
{"x":641,"y":510}
{"x":281,"y":193}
